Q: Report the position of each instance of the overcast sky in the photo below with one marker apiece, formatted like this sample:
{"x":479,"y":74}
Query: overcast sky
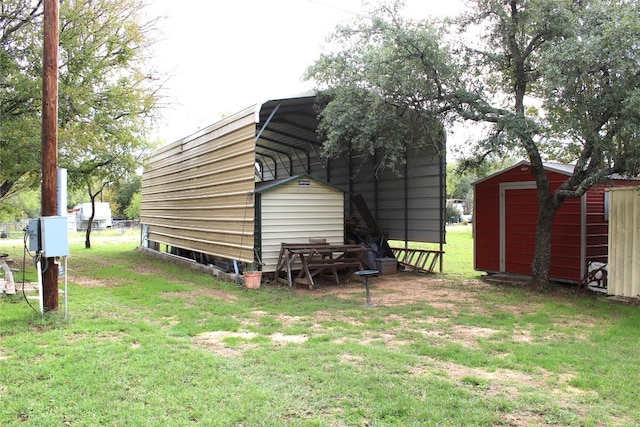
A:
{"x":226,"y":56}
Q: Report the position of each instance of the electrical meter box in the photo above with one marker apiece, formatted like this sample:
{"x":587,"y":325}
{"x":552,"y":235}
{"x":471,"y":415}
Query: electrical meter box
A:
{"x":54,"y":236}
{"x":33,"y":231}
{"x":49,"y":234}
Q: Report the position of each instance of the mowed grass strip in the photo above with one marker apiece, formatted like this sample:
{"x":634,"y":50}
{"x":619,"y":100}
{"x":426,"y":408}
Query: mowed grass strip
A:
{"x":152,"y":344}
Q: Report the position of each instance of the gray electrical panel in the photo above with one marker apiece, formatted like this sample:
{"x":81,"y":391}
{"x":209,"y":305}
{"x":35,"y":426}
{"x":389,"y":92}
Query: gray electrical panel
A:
{"x":33,"y":231}
{"x":54,"y":236}
{"x":49,"y":235}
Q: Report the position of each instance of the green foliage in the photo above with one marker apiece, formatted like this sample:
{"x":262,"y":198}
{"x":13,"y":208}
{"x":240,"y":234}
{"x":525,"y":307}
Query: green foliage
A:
{"x":591,"y":88}
{"x":559,"y":81}
{"x":20,"y":93}
{"x":107,"y":92}
{"x":124,"y":192}
{"x":382,"y":88}
{"x":459,"y":183}
{"x":133,"y":210}
{"x":20,"y":205}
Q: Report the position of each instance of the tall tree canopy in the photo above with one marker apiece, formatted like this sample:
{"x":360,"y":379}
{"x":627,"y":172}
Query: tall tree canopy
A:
{"x":553,"y":79}
{"x":107,"y":92}
{"x":383,"y":87}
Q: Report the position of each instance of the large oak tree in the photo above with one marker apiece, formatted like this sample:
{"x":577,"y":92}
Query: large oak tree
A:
{"x":107,"y":91}
{"x":552,"y":79}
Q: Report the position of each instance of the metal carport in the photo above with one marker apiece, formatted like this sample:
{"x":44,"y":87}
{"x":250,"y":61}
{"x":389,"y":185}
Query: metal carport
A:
{"x":197,"y":193}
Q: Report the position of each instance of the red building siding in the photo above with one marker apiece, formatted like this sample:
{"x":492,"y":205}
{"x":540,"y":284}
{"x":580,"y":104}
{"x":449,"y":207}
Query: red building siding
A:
{"x":597,"y":228}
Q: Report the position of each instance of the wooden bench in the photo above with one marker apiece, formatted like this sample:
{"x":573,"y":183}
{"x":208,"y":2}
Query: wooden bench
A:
{"x":315,"y":258}
{"x":8,"y":285}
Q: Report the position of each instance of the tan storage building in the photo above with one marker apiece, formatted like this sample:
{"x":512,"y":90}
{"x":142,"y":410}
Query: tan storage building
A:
{"x":624,"y":242}
{"x":296,"y":210}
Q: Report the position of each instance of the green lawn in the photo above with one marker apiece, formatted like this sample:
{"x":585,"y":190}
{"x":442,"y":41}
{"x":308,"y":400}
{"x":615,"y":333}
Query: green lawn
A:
{"x":152,"y":344}
{"x":458,"y":257}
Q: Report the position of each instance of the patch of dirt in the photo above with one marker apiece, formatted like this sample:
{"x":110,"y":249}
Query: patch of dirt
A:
{"x":214,"y":341}
{"x":148,"y":270}
{"x":322,"y":316}
{"x":192,"y":296}
{"x":279,"y":339}
{"x":388,"y":337}
{"x":468,"y":335}
{"x":523,"y":419}
{"x":500,"y":377}
{"x":522,"y":335}
{"x":86,"y":282}
{"x":352,"y":359}
{"x":100,"y":336}
{"x":403,"y":289}
{"x":507,"y":382}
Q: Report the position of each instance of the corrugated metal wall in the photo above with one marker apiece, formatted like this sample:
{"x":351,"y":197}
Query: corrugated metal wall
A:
{"x":385,"y":192}
{"x":196,"y":192}
{"x":624,"y":242}
{"x":597,"y":227}
{"x":293,"y":213}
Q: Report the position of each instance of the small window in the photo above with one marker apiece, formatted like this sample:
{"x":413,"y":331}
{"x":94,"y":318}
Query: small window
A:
{"x":607,"y":194}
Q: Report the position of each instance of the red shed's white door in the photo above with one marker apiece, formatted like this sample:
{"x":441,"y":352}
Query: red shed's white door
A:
{"x":518,"y":219}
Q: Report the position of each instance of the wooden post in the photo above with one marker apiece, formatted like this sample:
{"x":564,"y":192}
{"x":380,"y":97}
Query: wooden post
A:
{"x":50,"y":141}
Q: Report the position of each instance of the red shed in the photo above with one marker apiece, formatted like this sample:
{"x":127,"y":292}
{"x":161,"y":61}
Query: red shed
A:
{"x":505,"y":216}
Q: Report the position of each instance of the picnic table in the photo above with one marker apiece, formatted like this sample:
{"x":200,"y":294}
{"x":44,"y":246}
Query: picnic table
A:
{"x":301,"y":262}
{"x":7,"y":285}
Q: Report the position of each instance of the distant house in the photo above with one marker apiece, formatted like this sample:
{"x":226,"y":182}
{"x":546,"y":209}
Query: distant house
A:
{"x":101,"y":220}
{"x":457,"y":206}
{"x":505,"y":219}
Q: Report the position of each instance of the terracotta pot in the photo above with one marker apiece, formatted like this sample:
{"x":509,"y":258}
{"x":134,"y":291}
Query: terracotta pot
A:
{"x":252,"y":279}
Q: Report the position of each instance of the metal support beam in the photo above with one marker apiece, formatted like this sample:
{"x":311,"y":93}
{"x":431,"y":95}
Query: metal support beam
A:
{"x":278,"y":152}
{"x":274,"y":173}
{"x":295,"y":149}
{"x":264,"y":126}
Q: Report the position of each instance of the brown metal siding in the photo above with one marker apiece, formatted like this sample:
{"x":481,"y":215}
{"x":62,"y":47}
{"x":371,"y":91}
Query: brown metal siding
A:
{"x":196,"y":192}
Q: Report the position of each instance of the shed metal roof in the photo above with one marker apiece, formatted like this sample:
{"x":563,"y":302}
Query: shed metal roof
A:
{"x":561,"y":168}
{"x":262,"y":187}
{"x":553,"y":167}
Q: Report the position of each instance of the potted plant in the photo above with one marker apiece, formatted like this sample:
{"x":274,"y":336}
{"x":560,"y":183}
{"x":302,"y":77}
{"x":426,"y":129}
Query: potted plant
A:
{"x":252,"y":275}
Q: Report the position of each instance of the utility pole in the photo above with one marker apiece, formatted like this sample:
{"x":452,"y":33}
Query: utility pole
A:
{"x":50,"y":141}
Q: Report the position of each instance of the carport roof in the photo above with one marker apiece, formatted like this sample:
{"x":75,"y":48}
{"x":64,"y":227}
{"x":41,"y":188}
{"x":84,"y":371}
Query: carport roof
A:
{"x":287,"y":127}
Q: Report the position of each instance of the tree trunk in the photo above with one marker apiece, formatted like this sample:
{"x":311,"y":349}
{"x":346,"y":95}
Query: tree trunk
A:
{"x":5,"y":188}
{"x":541,"y":265}
{"x":87,"y":238}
